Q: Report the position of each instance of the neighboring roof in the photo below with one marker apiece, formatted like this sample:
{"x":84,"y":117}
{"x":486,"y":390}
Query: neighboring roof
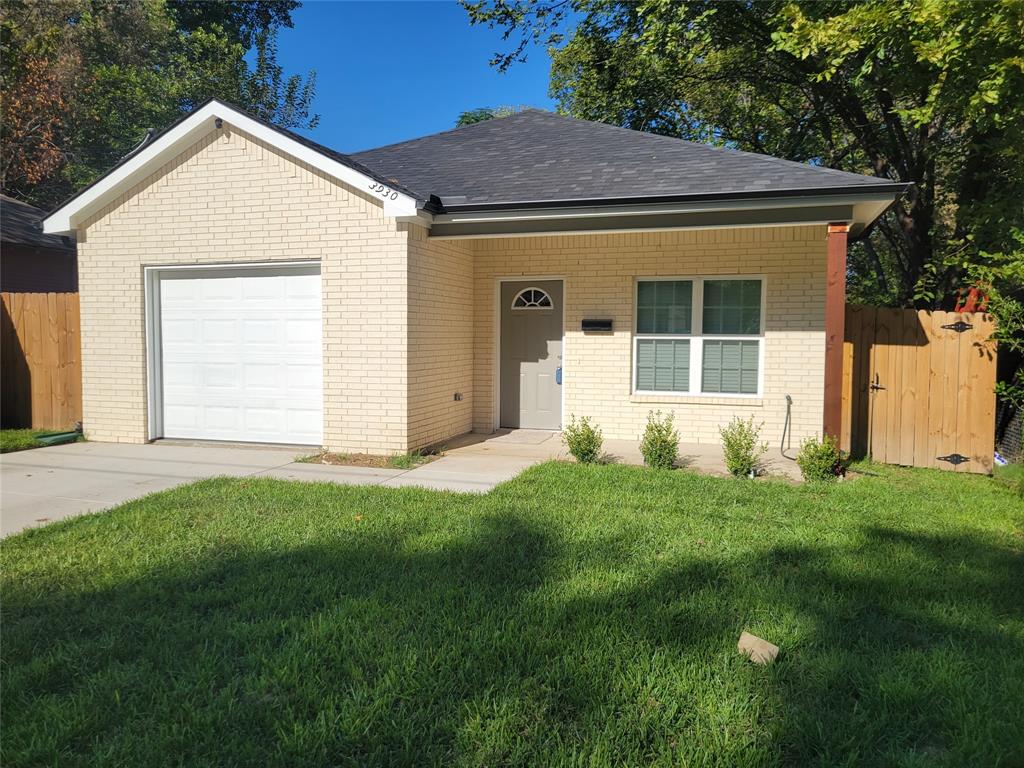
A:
{"x":21,"y":223}
{"x":539,"y":158}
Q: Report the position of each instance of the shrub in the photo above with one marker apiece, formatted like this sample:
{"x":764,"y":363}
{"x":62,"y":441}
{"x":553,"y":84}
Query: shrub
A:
{"x":583,"y":440}
{"x":660,"y":445}
{"x":741,"y":446}
{"x":819,"y":459}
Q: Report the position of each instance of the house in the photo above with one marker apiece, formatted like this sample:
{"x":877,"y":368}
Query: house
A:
{"x":30,"y":261}
{"x":240,"y":282}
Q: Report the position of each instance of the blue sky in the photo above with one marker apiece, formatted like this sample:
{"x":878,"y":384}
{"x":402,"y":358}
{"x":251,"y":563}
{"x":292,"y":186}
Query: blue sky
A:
{"x":389,"y":71}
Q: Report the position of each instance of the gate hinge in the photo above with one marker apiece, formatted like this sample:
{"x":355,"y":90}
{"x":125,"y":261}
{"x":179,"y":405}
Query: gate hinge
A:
{"x":959,"y":326}
{"x":954,"y":458}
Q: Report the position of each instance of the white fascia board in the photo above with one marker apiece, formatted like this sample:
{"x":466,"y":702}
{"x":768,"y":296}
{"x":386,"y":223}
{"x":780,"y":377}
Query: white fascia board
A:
{"x":65,"y":219}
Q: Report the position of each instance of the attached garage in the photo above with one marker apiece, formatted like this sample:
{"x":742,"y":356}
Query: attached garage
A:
{"x":235,"y":353}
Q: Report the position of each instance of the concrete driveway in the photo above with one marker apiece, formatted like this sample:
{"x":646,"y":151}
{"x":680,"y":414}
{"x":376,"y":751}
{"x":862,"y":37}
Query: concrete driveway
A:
{"x":47,"y":484}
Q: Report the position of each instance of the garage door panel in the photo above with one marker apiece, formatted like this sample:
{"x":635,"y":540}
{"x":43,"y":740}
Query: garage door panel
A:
{"x":306,"y":379}
{"x":222,"y":376}
{"x":218,"y":289}
{"x":179,"y":417}
{"x":242,"y":356}
{"x":263,"y":376}
{"x":256,"y":332}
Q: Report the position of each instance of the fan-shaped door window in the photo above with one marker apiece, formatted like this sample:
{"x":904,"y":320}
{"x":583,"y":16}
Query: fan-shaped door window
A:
{"x":532,"y":298}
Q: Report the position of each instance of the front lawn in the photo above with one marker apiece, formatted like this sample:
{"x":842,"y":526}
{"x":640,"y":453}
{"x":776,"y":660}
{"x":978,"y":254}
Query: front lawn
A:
{"x":574,"y":616}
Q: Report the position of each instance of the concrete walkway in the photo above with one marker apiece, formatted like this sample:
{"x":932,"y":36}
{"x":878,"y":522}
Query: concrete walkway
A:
{"x":47,"y":484}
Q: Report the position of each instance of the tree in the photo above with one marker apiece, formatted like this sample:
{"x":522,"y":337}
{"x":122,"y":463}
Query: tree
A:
{"x":480,"y":114}
{"x":922,"y":91}
{"x":92,"y":76}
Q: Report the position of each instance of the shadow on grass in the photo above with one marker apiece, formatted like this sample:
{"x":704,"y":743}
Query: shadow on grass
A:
{"x":512,"y":643}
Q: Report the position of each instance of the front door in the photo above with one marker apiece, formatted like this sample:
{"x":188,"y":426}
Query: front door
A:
{"x":531,"y":354}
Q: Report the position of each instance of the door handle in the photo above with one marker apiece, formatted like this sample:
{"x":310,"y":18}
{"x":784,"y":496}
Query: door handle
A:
{"x":875,"y":386}
{"x":558,"y":375}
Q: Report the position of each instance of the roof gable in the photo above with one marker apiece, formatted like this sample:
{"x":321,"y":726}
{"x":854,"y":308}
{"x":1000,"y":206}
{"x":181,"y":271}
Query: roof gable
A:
{"x":396,"y":200}
{"x":535,"y":156}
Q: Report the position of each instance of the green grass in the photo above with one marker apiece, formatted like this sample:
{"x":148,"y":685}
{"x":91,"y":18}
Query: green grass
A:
{"x":578,"y":615}
{"x":409,"y":460}
{"x":20,"y":439}
{"x":1012,"y":476}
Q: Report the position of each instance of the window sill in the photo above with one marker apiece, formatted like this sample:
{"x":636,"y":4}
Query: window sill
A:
{"x":667,"y":399}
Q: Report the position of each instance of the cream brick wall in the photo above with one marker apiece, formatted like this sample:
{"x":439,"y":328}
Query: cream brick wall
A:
{"x":440,"y":338}
{"x":599,"y":272}
{"x":408,"y":320}
{"x":231,"y":198}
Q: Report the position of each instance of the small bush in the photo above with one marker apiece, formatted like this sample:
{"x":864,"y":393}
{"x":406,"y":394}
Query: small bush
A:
{"x":660,"y":446}
{"x":742,"y":447}
{"x":583,"y":440}
{"x":819,"y":459}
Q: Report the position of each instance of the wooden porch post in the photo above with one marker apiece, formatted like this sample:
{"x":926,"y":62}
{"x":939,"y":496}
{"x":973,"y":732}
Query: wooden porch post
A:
{"x":835,"y":309}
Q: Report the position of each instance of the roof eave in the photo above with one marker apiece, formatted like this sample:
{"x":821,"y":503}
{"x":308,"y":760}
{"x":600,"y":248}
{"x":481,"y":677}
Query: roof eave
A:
{"x":893,"y":189}
{"x":856,"y":209}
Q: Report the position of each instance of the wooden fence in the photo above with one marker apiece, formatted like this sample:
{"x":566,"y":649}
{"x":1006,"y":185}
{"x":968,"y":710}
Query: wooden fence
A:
{"x":40,"y":361}
{"x":918,"y":388}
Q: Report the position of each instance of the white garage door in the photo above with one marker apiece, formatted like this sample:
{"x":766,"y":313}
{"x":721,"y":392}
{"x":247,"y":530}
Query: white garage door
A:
{"x":241,"y":356}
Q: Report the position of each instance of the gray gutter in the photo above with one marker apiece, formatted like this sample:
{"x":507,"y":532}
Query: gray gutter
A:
{"x":886,"y":188}
{"x":793,"y":215}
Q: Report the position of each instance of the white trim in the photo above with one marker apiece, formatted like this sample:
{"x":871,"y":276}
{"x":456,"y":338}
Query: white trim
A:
{"x":154,"y":358}
{"x":66,"y":218}
{"x":527,"y":307}
{"x":697,"y":338}
{"x":496,"y":368}
{"x":151,"y":275}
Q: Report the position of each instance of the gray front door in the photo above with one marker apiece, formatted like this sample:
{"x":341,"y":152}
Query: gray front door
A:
{"x":531,"y":354}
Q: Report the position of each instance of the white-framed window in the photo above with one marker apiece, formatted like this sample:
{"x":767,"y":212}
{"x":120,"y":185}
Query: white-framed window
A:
{"x":532,"y":298}
{"x":699,"y":336}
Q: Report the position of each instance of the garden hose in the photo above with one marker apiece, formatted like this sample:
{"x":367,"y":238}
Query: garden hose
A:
{"x":786,"y":428}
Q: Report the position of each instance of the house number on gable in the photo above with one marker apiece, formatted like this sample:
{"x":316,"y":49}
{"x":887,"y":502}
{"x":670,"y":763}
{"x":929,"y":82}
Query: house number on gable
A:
{"x":386,"y":192}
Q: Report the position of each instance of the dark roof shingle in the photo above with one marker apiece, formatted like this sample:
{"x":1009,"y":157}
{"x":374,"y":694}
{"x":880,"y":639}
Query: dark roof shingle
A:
{"x":536,"y":156}
{"x":21,"y":223}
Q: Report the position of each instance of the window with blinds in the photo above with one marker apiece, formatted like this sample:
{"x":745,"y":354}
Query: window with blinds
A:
{"x":699,"y":336}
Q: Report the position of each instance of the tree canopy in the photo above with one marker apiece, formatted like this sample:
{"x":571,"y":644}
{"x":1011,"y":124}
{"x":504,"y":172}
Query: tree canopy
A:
{"x":480,"y":114}
{"x":85,"y":79}
{"x":922,"y":91}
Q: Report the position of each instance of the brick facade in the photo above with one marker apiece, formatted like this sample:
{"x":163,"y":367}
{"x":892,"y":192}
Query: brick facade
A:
{"x":232,"y":199}
{"x":599,"y":273}
{"x":409,"y":321}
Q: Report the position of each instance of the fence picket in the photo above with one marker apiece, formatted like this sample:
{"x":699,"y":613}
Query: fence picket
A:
{"x":41,"y":382}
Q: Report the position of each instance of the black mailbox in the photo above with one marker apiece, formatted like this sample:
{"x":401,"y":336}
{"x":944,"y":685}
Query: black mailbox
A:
{"x":597,"y":325}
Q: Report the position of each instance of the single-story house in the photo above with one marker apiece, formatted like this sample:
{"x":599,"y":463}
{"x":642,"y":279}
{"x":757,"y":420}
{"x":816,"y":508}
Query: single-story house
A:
{"x":31,"y":261}
{"x":240,"y":282}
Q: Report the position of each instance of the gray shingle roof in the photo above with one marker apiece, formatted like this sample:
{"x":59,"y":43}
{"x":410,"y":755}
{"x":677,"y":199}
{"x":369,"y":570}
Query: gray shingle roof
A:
{"x":21,"y":223}
{"x":537,"y":156}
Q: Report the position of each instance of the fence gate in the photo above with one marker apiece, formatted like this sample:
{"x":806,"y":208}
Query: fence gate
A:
{"x":918,"y":388}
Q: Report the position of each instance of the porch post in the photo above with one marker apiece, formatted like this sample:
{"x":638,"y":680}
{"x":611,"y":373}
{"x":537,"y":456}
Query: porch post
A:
{"x":835,"y":310}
